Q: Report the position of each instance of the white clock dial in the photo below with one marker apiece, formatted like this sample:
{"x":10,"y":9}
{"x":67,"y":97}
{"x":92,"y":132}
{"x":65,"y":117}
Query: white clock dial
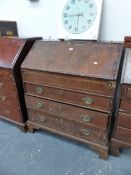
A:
{"x":79,"y":15}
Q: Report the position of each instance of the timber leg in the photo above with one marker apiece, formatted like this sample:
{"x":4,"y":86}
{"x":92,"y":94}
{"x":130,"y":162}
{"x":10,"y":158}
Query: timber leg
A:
{"x":30,"y":128}
{"x":114,"y":148}
{"x":103,"y":154}
{"x":23,"y":128}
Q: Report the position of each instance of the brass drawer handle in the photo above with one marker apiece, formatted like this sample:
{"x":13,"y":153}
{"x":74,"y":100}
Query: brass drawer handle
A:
{"x":60,"y":92}
{"x":86,"y":132}
{"x":85,"y":118}
{"x":42,"y":119}
{"x":1,"y":85}
{"x":39,"y":90}
{"x":39,"y":105}
{"x":111,"y":85}
{"x":88,"y":100}
{"x":3,"y":98}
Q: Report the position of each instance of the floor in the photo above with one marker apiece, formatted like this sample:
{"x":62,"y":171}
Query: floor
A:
{"x":42,"y":153}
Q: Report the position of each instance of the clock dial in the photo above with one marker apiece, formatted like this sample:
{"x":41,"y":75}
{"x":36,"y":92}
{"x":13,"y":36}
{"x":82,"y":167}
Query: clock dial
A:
{"x":79,"y":15}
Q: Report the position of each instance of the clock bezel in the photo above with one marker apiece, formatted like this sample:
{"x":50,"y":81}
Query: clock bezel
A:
{"x":81,"y":20}
{"x":91,"y":34}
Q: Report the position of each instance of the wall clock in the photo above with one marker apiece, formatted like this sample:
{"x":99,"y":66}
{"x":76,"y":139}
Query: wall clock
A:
{"x":80,"y":19}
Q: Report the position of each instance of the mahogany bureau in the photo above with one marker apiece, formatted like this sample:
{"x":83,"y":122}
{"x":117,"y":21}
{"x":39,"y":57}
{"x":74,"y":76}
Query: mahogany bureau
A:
{"x":70,"y":88}
{"x":121,"y":137}
{"x":12,"y":105}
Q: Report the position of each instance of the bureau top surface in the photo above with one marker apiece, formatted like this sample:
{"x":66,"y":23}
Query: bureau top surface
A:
{"x":9,"y":50}
{"x":126,"y":73}
{"x":97,"y":60}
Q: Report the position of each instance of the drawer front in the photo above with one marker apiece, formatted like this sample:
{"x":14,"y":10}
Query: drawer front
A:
{"x":69,"y":127}
{"x":123,"y":134}
{"x":10,"y":113}
{"x":9,"y":99}
{"x":76,"y":98}
{"x":69,"y":112}
{"x":70,"y":82}
{"x":124,"y":120}
{"x":125,"y":104}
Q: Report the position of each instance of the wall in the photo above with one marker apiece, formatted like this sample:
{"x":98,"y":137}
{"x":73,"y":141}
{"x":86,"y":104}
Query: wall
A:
{"x":40,"y":19}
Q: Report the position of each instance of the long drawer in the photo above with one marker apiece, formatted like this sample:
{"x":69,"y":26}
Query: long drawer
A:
{"x":70,"y":127}
{"x":87,"y":100}
{"x":69,"y":112}
{"x":97,"y":86}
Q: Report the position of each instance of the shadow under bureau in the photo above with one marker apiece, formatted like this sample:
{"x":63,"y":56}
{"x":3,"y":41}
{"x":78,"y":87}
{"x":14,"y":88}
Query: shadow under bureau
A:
{"x":70,"y":88}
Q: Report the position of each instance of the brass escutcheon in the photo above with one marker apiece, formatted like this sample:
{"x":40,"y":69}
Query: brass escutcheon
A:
{"x":111,"y":85}
{"x":3,"y":98}
{"x":42,"y":119}
{"x":86,"y":132}
{"x":85,"y":118}
{"x":88,"y":100}
{"x":39,"y":89}
{"x":39,"y":105}
{"x":60,"y":91}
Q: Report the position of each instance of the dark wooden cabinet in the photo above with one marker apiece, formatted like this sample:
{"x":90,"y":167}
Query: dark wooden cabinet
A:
{"x":121,"y":137}
{"x":12,"y":104}
{"x":70,"y":89}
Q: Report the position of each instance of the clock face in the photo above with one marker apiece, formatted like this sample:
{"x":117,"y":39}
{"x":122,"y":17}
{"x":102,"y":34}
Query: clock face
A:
{"x":79,"y":15}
